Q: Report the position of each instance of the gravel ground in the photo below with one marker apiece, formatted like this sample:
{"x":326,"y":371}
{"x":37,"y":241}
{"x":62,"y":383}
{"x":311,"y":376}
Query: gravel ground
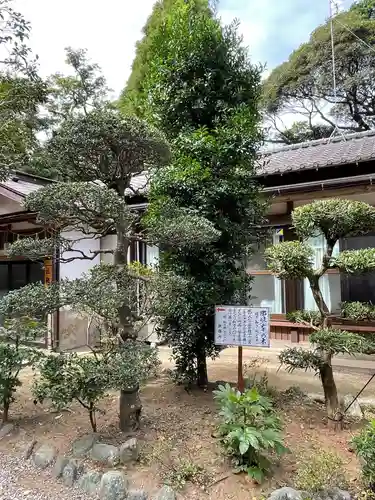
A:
{"x":19,"y":480}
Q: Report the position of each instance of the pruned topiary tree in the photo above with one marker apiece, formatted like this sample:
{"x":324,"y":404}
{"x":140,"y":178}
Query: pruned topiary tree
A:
{"x":335,"y":219}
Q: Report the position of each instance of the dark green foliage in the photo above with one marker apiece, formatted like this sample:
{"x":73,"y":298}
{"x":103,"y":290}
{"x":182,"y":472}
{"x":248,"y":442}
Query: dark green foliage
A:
{"x":250,"y":430}
{"x":70,"y":377}
{"x":358,"y":311}
{"x":294,"y":358}
{"x":291,"y":260}
{"x":364,"y":447}
{"x":355,"y":261}
{"x":14,"y":356}
{"x":335,"y":342}
{"x":305,"y":317}
{"x":202,"y":90}
{"x":87,"y":379}
{"x":22,"y":92}
{"x":133,"y":93}
{"x":306,"y":77}
{"x":105,"y":146}
{"x":334,"y":219}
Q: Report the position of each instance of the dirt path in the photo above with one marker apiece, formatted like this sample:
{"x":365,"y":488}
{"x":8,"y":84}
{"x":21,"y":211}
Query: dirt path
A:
{"x":351,"y":374}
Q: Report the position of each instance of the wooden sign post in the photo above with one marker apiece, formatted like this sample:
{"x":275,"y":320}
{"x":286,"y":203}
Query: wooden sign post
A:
{"x":242,"y":326}
{"x":48,"y":271}
{"x":240,"y":380}
{"x":48,"y":278}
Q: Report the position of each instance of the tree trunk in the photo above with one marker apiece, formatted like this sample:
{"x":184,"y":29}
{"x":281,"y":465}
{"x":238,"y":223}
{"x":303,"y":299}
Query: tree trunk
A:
{"x":121,"y":259}
{"x":92,"y":419}
{"x":319,"y":300}
{"x":130,"y":409}
{"x":202,"y":378}
{"x":5,"y":410}
{"x":330,"y":390}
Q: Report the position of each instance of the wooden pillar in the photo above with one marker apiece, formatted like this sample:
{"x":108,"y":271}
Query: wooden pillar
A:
{"x":293,"y":288}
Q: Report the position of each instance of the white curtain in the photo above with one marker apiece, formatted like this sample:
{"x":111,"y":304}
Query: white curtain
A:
{"x":319,"y":245}
{"x":152,"y":255}
{"x":276,"y":303}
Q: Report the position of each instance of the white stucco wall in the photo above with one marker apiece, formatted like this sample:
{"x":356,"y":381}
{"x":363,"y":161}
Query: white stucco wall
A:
{"x":75,"y":269}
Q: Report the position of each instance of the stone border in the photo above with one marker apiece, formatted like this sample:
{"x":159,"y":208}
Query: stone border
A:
{"x":110,"y":485}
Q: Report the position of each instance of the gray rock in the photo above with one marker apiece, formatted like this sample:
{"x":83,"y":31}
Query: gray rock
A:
{"x":286,"y":494}
{"x":44,"y":456}
{"x":29,"y":448}
{"x":137,"y":495}
{"x":105,"y":454}
{"x":5,"y":430}
{"x":114,"y":485}
{"x":90,"y":482}
{"x":166,"y":493}
{"x":337,"y":494}
{"x":129,"y":451}
{"x":83,"y":445}
{"x":355,"y":410}
{"x":71,"y":472}
{"x":60,"y":464}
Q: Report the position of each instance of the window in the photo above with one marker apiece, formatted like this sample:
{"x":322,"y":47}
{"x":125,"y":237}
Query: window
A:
{"x":358,"y":287}
{"x":267,"y":290}
{"x":330,"y":284}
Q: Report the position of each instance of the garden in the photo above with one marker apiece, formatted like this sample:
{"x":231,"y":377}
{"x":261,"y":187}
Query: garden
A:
{"x":120,"y":420}
{"x":180,"y":437}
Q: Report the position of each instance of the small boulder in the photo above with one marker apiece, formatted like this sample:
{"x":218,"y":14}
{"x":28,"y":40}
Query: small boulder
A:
{"x":137,"y":495}
{"x":60,"y":464}
{"x":44,"y":456}
{"x":337,"y":494}
{"x":129,"y":451}
{"x":71,"y":471}
{"x":29,"y":448}
{"x":355,"y":410}
{"x":114,"y":485}
{"x":82,"y":445}
{"x":166,"y":493}
{"x":286,"y":493}
{"x":90,"y":482}
{"x":5,"y":430}
{"x":105,"y":454}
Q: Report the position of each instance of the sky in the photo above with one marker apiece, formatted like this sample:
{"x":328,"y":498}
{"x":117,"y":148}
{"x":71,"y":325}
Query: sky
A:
{"x":110,"y":29}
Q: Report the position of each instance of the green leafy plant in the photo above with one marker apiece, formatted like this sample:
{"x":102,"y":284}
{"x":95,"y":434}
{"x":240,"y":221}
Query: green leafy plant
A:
{"x":211,"y":118}
{"x":332,"y":220}
{"x":70,"y":377}
{"x":320,"y":470}
{"x":257,"y":377}
{"x":364,"y":446}
{"x":86,"y":379}
{"x":185,"y":471}
{"x":14,"y":356}
{"x":358,"y":311}
{"x":250,"y":430}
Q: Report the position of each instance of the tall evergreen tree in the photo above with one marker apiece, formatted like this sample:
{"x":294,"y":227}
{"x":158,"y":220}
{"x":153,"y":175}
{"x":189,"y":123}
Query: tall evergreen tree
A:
{"x":129,"y":100}
{"x":200,"y":88}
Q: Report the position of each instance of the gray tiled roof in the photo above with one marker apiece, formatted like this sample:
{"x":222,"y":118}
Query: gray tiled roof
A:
{"x":355,"y":148}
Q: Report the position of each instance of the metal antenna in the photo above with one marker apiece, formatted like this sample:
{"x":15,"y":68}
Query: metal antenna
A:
{"x":334,"y":5}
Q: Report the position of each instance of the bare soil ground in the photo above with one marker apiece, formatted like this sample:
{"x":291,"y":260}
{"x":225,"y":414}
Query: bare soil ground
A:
{"x":179,"y":426}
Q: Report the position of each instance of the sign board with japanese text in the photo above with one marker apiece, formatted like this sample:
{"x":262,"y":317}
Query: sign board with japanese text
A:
{"x":242,"y":326}
{"x":48,"y":272}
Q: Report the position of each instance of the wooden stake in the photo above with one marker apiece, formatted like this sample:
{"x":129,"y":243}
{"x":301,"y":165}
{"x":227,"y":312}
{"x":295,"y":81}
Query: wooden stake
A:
{"x":240,"y":381}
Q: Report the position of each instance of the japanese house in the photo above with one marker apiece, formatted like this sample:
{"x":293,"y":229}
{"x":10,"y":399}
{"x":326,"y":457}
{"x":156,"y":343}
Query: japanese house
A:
{"x":291,"y":176}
